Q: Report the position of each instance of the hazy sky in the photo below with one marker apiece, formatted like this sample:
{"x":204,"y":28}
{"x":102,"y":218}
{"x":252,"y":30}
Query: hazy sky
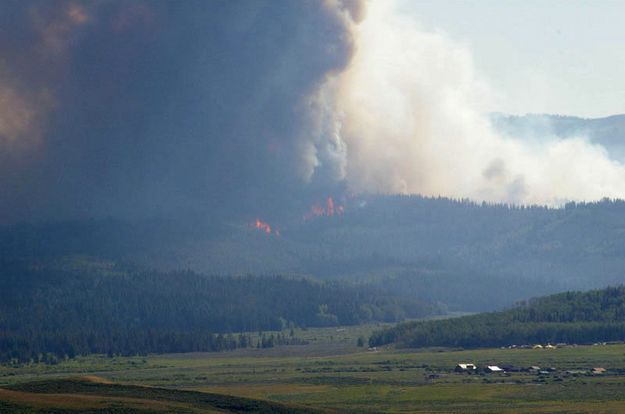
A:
{"x":556,"y":56}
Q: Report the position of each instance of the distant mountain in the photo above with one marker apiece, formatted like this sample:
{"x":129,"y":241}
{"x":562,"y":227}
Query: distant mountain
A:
{"x":571,"y":317}
{"x":608,"y":132}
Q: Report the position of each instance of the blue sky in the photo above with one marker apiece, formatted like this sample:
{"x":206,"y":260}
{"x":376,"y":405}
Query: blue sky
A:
{"x":555,"y":56}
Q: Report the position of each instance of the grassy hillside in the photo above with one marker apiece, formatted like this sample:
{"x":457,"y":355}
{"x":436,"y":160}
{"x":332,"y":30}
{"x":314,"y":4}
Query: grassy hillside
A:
{"x":572,"y":317}
{"x":93,"y":395}
{"x":385,"y":381}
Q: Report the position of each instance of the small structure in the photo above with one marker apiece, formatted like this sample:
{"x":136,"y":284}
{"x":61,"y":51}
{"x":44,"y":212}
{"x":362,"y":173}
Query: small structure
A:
{"x":549,"y":346}
{"x":576,"y":372}
{"x":465,"y":368}
{"x":533,"y":368}
{"x":493,"y":369}
{"x":537,"y":346}
{"x":597,"y":371}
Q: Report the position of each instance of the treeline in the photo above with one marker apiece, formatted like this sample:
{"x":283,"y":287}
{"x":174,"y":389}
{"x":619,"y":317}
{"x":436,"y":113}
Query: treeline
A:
{"x":431,"y":248}
{"x":50,"y":347}
{"x":77,"y":306}
{"x":571,"y":317}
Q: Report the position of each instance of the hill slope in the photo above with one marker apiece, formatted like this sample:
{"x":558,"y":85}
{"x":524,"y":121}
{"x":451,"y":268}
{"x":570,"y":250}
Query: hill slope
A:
{"x":432,"y":249}
{"x":81,"y":306}
{"x":82,"y":395}
{"x":571,"y":317}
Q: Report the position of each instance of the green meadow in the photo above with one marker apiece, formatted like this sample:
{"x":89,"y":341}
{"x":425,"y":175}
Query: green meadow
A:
{"x":330,"y":374}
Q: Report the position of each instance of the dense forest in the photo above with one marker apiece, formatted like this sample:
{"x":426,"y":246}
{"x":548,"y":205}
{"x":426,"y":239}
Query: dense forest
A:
{"x":470,"y":256}
{"x":80,"y":306}
{"x":571,"y":317}
{"x":83,"y":286}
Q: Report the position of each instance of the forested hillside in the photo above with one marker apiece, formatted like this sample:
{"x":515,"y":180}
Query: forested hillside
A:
{"x":571,"y":317}
{"x":80,"y":306}
{"x":470,"y":256}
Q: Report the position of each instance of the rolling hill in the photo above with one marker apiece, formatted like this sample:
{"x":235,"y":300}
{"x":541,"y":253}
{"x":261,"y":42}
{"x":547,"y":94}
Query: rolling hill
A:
{"x":94,"y":395}
{"x":77,"y":306}
{"x":570,"y":317}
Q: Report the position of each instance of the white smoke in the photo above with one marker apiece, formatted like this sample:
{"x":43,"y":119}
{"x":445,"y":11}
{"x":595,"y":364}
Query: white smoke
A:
{"x":407,"y":116}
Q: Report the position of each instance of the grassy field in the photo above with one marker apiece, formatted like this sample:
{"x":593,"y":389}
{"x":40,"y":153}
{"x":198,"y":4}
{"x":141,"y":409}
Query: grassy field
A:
{"x":329,"y":375}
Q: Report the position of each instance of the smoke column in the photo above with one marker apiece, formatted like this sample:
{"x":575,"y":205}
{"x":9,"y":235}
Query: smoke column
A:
{"x":411,"y":116}
{"x":150,"y":108}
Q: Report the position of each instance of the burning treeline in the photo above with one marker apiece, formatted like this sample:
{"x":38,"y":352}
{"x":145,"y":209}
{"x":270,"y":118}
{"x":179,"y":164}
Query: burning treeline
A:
{"x":327,"y":209}
{"x":262,"y":226}
{"x":265,"y":227}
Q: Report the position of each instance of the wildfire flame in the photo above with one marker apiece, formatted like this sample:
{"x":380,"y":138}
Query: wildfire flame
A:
{"x":262,"y":226}
{"x":330,"y":206}
{"x":330,"y":209}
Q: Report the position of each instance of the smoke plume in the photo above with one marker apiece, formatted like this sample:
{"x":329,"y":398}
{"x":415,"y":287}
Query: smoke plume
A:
{"x":411,"y":116}
{"x":159,"y":107}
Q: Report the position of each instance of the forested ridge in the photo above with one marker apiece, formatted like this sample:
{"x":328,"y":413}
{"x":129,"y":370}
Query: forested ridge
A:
{"x":470,"y":256}
{"x":81,"y":306}
{"x":570,"y":317}
{"x":86,"y":283}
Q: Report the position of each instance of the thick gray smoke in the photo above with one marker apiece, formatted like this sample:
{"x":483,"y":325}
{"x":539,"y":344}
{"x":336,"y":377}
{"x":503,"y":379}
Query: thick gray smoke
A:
{"x":156,"y":107}
{"x":149,"y":107}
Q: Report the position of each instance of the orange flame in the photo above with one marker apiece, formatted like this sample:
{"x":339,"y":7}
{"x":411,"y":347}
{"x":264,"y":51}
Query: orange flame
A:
{"x":262,"y":226}
{"x":330,"y":206}
{"x":329,"y":210}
